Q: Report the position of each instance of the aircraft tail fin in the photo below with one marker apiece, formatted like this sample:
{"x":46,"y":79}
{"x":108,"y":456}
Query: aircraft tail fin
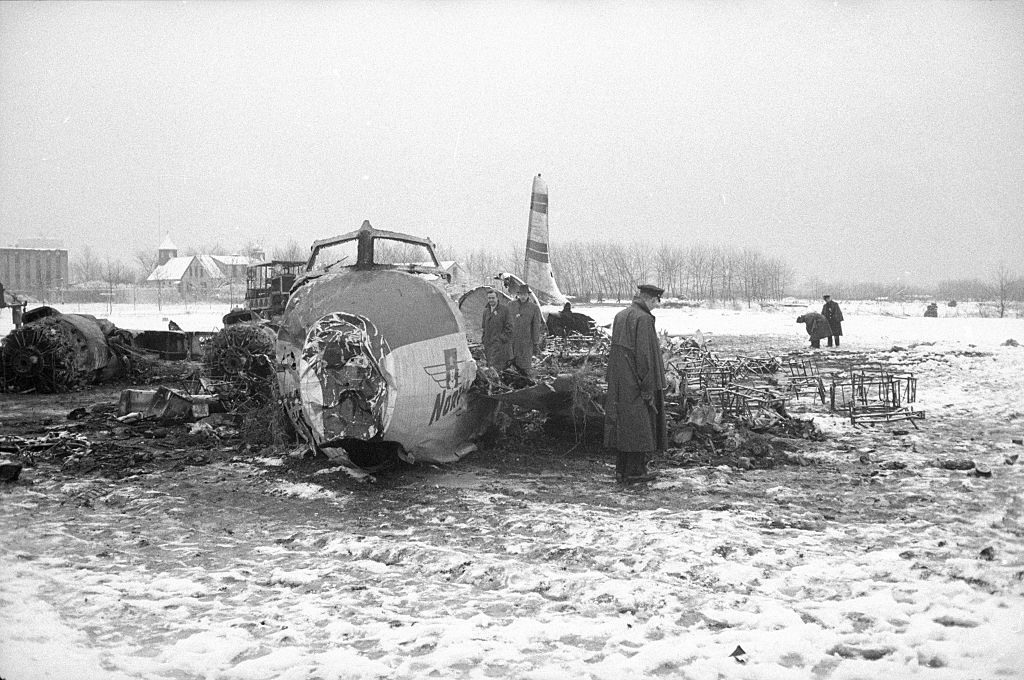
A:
{"x":537,"y":268}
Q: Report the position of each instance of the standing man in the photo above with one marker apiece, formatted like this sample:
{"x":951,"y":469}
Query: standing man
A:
{"x":634,"y":421}
{"x":497,"y":327}
{"x":17,"y":311}
{"x":830,"y":310}
{"x":527,"y":330}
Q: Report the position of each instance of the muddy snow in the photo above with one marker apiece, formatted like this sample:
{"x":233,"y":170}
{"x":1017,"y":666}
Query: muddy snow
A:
{"x":870,"y":561}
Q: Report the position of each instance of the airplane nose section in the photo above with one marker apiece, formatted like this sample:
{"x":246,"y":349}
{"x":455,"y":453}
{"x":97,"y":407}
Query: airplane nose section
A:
{"x":344,"y":379}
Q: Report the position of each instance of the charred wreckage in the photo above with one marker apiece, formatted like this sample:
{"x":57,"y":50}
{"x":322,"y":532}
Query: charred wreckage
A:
{"x":364,"y":347}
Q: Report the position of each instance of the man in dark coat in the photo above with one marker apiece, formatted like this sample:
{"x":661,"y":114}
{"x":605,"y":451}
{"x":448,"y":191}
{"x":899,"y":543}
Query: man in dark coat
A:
{"x":817,"y":327}
{"x":497,"y":327}
{"x":634,"y":421}
{"x":527,"y":330}
{"x":830,"y":310}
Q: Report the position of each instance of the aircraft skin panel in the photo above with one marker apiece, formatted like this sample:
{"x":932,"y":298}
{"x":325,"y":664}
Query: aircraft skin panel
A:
{"x":537,"y":266}
{"x":433,"y":417}
{"x":404,"y":307}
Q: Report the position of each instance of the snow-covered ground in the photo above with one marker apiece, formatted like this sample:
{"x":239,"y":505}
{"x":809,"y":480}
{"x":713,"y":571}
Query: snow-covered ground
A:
{"x":843,"y":569}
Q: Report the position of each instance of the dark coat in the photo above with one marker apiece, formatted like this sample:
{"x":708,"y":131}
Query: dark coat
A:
{"x":527,"y":330}
{"x":817,"y":325}
{"x":497,"y":327}
{"x":635,"y":370}
{"x":830,"y":310}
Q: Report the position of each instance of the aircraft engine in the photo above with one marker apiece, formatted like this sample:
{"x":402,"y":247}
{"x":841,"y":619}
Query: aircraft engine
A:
{"x":56,"y":352}
{"x":378,"y":355}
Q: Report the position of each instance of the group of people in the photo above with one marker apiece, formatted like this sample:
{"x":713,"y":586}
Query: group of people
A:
{"x":828,"y":324}
{"x":512,"y":333}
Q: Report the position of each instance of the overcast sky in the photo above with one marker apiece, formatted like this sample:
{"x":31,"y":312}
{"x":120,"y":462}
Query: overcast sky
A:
{"x":859,"y":140}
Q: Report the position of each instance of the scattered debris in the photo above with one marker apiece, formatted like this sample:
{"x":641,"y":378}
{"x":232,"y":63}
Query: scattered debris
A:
{"x":988,"y":553}
{"x":1011,"y":343}
{"x":955,"y":464}
{"x":9,"y":470}
{"x":739,"y":655}
{"x":852,"y":652}
{"x":982,"y":470}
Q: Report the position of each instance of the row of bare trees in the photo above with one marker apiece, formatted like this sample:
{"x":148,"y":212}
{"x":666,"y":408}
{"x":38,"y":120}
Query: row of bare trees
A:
{"x":592,"y":270}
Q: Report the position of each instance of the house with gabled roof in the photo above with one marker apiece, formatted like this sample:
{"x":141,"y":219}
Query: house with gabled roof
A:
{"x":189,"y":272}
{"x":195,"y":272}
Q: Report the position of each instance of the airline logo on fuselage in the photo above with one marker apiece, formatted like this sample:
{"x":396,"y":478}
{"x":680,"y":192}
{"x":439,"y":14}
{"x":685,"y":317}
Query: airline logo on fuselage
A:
{"x":447,"y":376}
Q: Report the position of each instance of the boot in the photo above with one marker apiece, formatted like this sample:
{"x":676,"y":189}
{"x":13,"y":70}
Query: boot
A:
{"x":837,"y":341}
{"x":637,"y":470}
{"x":621,"y":467}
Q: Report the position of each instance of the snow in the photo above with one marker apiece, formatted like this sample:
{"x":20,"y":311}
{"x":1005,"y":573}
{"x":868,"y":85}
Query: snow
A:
{"x":488,"y":580}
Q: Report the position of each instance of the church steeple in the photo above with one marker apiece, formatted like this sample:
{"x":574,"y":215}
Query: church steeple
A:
{"x":166,"y":251}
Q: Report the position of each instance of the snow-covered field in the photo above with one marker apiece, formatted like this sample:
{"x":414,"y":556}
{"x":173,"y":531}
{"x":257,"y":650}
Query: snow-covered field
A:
{"x":842,"y":569}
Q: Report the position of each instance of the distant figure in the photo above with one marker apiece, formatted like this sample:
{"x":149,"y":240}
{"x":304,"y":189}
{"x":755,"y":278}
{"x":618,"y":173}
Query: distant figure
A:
{"x":17,"y":311}
{"x":830,"y":310}
{"x":527,"y":330}
{"x":817,"y":327}
{"x":634,"y":423}
{"x":171,"y":326}
{"x":497,"y":332}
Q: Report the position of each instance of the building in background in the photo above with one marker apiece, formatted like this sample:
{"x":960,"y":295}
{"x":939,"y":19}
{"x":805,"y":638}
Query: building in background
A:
{"x":194,"y":273}
{"x":41,"y":273}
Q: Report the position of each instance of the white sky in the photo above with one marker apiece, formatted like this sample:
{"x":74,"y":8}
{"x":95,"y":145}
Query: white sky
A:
{"x":856,"y":140}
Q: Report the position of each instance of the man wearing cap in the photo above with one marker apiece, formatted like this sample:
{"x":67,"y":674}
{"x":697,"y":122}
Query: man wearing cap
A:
{"x":527,"y":330}
{"x":830,"y":310}
{"x":497,"y":332}
{"x":634,"y":422}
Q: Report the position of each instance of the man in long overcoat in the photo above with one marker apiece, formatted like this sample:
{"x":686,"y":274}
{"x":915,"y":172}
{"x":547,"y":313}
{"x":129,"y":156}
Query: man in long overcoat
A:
{"x":634,"y":421}
{"x":817,"y":327}
{"x":527,"y":330}
{"x":830,"y":310}
{"x":497,"y":337}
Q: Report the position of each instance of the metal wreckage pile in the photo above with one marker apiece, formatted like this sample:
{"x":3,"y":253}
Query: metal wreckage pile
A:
{"x":719,"y":410}
{"x":55,"y":353}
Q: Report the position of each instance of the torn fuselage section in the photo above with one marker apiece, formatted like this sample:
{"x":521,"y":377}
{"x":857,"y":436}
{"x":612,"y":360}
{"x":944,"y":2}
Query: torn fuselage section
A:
{"x":371,"y":349}
{"x":344,"y":380}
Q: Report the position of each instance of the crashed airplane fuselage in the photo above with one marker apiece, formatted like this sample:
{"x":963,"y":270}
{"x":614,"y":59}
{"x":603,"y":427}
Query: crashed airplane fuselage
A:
{"x":371,"y":348}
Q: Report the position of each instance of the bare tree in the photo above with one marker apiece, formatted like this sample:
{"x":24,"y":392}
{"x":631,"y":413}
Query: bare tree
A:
{"x":1003,"y":285}
{"x":292,"y":252}
{"x":87,"y":266}
{"x":147,"y":261}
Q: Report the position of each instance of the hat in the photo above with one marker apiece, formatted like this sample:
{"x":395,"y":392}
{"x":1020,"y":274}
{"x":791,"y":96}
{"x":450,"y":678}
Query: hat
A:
{"x":825,"y":297}
{"x":523,"y":289}
{"x":650,"y":289}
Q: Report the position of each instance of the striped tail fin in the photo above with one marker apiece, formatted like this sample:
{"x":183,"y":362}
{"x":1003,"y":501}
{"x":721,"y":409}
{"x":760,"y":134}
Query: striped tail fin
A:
{"x":537,"y":268}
